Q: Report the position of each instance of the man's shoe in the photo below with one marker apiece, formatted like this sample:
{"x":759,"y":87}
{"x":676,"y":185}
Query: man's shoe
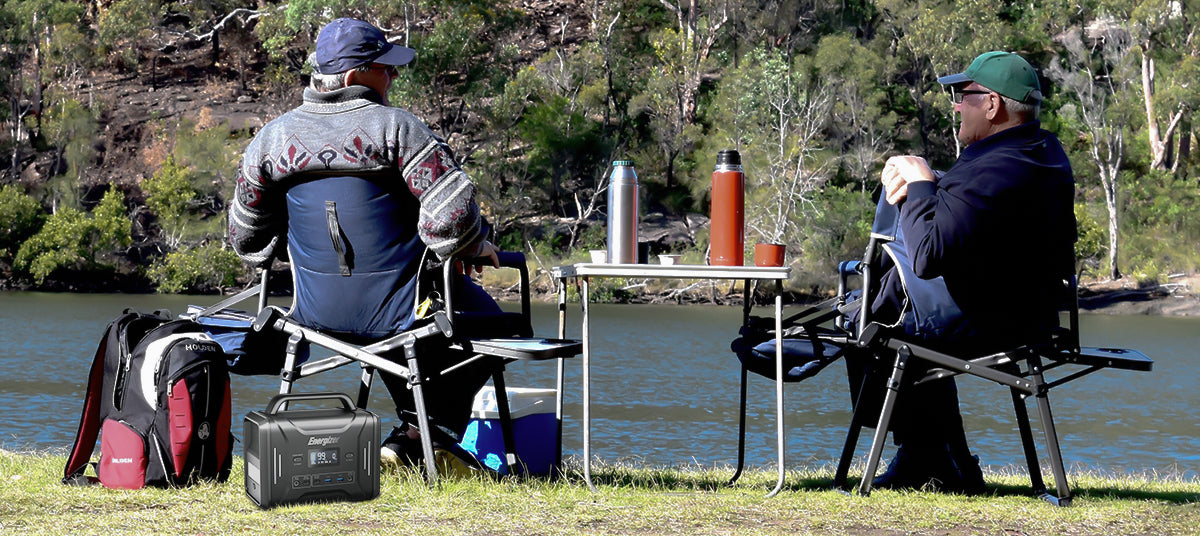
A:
{"x":912,"y":470}
{"x":970,"y":477}
{"x":399,"y":450}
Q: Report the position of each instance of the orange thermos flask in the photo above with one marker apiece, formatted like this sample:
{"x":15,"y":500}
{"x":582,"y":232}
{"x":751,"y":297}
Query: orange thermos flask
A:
{"x":727,"y":224}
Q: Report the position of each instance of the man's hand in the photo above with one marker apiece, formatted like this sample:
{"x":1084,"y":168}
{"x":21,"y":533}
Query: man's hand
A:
{"x":899,"y":171}
{"x":486,"y":250}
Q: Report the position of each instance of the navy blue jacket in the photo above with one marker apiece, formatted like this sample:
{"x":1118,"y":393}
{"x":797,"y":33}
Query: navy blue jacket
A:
{"x":999,"y":228}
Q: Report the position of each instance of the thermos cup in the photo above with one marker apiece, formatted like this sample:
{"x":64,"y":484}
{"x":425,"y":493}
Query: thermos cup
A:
{"x":727,"y":224}
{"x":623,"y":214}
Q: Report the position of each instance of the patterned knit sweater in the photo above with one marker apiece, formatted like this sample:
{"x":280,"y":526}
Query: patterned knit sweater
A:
{"x":341,"y":133}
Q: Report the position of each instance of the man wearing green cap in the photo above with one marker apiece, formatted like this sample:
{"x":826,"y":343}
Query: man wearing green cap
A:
{"x":999,"y":228}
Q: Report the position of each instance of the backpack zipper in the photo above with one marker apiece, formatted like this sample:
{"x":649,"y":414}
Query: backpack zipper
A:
{"x":126,"y":362}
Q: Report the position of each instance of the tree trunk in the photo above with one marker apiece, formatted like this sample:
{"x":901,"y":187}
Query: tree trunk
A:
{"x":37,"y":79}
{"x":1185,"y":144}
{"x":1110,"y":200}
{"x":215,"y":54}
{"x":1158,"y":148}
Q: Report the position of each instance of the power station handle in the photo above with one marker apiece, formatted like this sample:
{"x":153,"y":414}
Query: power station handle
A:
{"x":279,"y":400}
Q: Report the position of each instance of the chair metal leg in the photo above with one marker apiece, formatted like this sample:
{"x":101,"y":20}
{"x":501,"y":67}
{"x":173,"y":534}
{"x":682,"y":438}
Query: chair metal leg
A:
{"x":741,"y":449}
{"x":556,"y":472}
{"x":1052,"y":448}
{"x":364,"y":385}
{"x":856,"y":426}
{"x":415,"y":380}
{"x":885,"y":418}
{"x":506,"y":427}
{"x":843,"y":469}
{"x":1031,"y":459}
{"x":290,"y":370}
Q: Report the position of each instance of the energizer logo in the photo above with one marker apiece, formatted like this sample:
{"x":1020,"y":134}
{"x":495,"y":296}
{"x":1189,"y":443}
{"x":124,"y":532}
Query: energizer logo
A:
{"x":323,"y":441}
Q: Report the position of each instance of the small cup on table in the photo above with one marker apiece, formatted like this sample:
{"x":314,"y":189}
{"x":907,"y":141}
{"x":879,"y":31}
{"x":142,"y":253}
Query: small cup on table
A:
{"x":768,"y":254}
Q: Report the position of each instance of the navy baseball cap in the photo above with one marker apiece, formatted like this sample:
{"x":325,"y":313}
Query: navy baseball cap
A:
{"x":348,"y":43}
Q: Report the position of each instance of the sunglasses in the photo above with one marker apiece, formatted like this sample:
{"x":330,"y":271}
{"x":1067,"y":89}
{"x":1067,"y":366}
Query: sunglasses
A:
{"x":958,"y":95}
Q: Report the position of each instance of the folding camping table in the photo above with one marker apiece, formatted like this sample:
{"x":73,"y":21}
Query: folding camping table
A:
{"x":583,"y":273}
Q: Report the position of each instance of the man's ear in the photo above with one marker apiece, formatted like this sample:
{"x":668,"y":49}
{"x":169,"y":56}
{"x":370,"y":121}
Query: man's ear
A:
{"x":996,"y":109}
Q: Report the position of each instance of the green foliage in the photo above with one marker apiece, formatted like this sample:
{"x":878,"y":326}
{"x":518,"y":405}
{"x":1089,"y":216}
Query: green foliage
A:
{"x":1092,"y":242}
{"x":20,"y":217}
{"x":1162,"y":224}
{"x":814,"y":94}
{"x":211,"y":155}
{"x":835,"y":230}
{"x":169,"y":193}
{"x":774,"y":110}
{"x":73,"y":240}
{"x":207,"y":268}
{"x":71,"y":128}
{"x":121,"y":27}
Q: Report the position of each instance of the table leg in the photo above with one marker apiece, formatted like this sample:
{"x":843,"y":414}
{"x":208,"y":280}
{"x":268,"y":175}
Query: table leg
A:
{"x":584,"y":298}
{"x":780,"y":429}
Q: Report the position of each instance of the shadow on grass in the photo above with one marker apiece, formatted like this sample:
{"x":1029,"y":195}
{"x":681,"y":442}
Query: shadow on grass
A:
{"x":680,"y":480}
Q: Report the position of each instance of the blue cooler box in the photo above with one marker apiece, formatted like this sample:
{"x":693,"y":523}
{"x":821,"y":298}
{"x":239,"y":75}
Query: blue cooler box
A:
{"x":535,"y":430}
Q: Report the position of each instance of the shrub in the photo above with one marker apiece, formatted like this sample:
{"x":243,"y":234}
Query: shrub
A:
{"x":168,"y":194}
{"x":206,"y":268}
{"x":73,"y":239}
{"x":20,"y":217}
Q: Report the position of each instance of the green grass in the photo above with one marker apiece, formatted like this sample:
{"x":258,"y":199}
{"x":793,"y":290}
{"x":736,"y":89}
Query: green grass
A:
{"x":630,"y":501}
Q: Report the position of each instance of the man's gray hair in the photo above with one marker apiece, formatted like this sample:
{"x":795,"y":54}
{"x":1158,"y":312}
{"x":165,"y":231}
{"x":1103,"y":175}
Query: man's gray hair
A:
{"x":1028,"y":111}
{"x":328,"y":82}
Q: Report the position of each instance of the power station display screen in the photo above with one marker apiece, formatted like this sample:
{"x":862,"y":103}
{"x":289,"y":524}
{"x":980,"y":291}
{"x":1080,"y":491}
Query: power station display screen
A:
{"x":320,"y":457}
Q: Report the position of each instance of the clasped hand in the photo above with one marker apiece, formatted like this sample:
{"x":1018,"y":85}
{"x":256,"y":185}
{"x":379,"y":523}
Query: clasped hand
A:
{"x":899,"y":172}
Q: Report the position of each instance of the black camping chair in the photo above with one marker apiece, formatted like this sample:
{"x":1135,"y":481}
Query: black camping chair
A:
{"x":1023,"y":369}
{"x":443,"y":328}
{"x":352,"y":215}
{"x":842,"y":327}
{"x":813,"y":338}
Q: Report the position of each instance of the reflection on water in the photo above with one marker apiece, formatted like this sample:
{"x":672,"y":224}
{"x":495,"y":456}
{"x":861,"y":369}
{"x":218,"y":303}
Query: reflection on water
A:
{"x":664,"y":389}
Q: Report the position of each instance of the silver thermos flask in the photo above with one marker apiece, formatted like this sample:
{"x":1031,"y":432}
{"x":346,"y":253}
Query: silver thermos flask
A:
{"x":623,"y":214}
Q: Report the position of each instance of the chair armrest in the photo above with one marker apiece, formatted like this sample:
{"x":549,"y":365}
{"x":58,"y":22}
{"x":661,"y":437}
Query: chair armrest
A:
{"x":507,"y":259}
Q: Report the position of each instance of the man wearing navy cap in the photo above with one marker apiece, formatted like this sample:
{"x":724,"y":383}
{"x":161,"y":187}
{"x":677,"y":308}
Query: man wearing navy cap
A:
{"x":999,"y":228}
{"x":346,"y":128}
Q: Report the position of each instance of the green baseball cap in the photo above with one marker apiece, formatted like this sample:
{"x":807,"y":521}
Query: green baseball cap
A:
{"x":1003,"y":72}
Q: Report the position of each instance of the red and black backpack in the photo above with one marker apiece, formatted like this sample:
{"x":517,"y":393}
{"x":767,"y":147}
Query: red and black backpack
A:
{"x":158,"y":396}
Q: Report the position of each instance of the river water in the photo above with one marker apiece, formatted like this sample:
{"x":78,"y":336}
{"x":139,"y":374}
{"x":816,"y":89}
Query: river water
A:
{"x":664,"y":389}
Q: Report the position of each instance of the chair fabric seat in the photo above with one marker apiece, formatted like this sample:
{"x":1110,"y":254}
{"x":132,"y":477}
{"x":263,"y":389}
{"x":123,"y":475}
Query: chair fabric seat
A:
{"x":802,"y":358}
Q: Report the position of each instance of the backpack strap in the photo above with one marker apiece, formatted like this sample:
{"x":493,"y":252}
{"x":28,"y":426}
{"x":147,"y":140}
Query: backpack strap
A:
{"x":89,"y":420}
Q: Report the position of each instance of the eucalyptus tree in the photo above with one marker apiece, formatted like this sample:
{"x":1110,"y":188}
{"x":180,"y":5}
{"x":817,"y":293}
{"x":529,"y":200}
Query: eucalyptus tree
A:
{"x":776,"y":110}
{"x":1098,"y":71}
{"x":864,"y":125}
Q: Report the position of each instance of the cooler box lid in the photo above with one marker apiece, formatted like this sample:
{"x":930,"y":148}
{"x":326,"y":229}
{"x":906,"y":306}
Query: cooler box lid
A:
{"x":522,"y":401}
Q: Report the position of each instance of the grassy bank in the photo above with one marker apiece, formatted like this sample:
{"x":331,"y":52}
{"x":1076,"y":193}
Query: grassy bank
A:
{"x":630,"y":501}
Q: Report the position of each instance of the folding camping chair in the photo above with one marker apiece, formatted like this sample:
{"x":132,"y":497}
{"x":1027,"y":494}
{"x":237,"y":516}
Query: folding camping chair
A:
{"x":1023,"y":369}
{"x":811,"y":344}
{"x":353,"y":219}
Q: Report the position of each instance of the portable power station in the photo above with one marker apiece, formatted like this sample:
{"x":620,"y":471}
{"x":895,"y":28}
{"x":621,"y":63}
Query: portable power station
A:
{"x":311,"y":455}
